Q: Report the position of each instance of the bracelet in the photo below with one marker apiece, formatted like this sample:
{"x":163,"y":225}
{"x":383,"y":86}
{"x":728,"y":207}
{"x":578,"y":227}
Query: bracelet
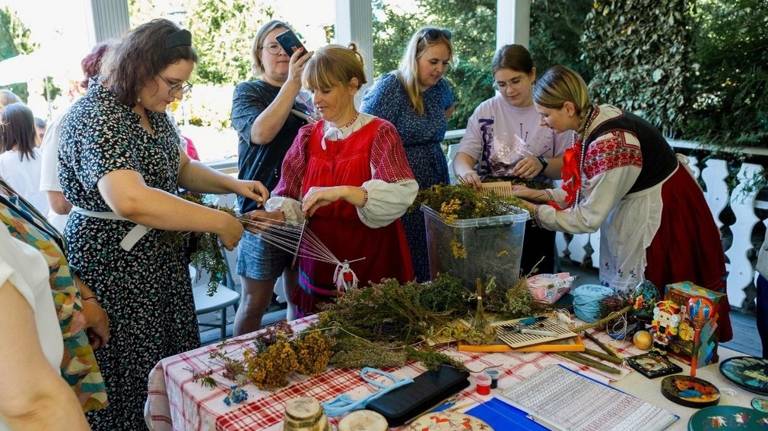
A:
{"x":544,"y":164}
{"x":88,"y":298}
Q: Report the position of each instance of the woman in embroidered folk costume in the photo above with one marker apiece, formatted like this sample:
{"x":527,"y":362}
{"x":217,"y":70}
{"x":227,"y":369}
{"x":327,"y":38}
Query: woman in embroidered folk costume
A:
{"x":418,"y":101}
{"x":347,"y":174}
{"x":622,"y":177}
{"x":121,"y":165}
{"x":505,"y":140}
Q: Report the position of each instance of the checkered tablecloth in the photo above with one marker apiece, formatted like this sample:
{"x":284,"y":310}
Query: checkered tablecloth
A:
{"x":176,"y":402}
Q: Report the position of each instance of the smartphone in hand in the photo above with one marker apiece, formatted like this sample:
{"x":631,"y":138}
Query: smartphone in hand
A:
{"x":289,"y":41}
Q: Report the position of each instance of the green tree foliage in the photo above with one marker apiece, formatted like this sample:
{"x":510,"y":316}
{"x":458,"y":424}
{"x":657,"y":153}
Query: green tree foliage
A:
{"x":223,"y":31}
{"x":556,"y":29}
{"x":731,"y":82}
{"x":391,"y":32}
{"x":14,"y":40}
{"x":641,"y":56}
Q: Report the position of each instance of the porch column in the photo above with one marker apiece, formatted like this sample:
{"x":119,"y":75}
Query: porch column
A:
{"x":109,"y":18}
{"x":513,"y":22}
{"x":354,"y":23}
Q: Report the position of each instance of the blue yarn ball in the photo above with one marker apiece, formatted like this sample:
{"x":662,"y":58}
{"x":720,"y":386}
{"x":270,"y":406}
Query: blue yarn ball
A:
{"x":586,"y":301}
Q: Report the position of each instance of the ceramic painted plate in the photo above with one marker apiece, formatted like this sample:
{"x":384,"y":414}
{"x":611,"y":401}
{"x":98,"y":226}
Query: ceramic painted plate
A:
{"x":760,"y":404}
{"x":448,"y":422}
{"x":749,"y":372}
{"x":722,"y":418}
{"x":690,"y":391}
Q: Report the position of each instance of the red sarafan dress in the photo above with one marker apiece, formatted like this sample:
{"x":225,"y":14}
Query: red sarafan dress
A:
{"x":372,"y":152}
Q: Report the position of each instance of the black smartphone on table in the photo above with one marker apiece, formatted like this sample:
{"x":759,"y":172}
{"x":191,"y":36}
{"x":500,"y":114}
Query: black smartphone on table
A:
{"x":289,"y":41}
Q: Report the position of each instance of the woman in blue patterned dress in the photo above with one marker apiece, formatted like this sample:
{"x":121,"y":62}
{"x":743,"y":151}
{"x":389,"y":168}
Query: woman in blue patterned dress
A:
{"x":121,"y":165}
{"x":418,"y":101}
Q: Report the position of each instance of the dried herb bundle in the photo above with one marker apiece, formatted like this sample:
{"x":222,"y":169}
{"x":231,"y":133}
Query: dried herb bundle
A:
{"x":390,"y":312}
{"x":513,"y":302}
{"x":355,"y":352}
{"x":462,"y":201}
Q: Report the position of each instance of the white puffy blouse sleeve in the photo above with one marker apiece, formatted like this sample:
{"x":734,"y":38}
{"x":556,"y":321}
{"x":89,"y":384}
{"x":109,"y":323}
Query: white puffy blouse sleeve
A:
{"x":386,"y":202}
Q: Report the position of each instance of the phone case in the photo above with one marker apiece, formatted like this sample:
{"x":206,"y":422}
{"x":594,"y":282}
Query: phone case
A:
{"x":427,"y":390}
{"x":289,"y":41}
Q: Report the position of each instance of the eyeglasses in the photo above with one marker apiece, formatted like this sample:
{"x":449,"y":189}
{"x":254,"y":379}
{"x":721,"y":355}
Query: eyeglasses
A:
{"x":502,"y":85}
{"x":436,"y":33}
{"x":183,"y":87}
{"x":273,"y":48}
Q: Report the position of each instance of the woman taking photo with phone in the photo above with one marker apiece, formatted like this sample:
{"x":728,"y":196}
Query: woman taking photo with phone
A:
{"x":266,"y":113}
{"x":505,"y":140}
{"x":418,"y":101}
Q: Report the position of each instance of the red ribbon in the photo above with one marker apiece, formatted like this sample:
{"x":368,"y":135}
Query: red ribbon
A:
{"x":571,"y":175}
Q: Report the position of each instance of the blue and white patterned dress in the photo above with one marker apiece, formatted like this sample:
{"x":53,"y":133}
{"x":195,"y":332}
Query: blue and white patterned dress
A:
{"x":146,"y":292}
{"x":421,"y":136}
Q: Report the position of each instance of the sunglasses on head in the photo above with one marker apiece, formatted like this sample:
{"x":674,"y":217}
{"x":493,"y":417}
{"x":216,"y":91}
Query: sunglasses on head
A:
{"x":436,"y":33}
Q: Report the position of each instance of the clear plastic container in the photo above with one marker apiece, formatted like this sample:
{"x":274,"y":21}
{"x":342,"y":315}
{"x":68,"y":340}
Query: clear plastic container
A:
{"x":476,"y":249}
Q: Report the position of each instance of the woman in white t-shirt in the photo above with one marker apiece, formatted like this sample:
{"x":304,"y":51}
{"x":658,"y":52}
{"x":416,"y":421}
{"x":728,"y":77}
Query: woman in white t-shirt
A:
{"x":33,"y":395}
{"x":20,"y":161}
{"x":505,"y":139}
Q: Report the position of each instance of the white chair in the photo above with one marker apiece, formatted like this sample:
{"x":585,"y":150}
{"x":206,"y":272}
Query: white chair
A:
{"x":220,"y":301}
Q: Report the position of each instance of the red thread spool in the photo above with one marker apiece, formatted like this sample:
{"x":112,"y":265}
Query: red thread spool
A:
{"x":483,"y":383}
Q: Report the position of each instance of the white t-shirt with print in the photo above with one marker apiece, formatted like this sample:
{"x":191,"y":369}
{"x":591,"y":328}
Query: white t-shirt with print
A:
{"x":509,"y":134}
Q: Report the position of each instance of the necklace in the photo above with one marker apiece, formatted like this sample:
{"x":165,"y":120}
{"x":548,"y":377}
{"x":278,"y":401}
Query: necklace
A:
{"x":351,"y":122}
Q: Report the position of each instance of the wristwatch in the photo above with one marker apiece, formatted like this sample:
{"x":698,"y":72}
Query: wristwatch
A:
{"x":544,"y":164}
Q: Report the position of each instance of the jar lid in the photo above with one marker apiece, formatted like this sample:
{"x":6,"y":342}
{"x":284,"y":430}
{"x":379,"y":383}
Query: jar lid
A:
{"x":363,"y":420}
{"x":302,"y":408}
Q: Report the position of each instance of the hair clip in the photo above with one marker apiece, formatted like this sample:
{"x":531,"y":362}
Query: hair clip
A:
{"x":178,"y":38}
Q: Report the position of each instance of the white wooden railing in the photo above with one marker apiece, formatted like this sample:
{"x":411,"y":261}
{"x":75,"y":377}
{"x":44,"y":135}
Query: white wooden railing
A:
{"x":585,"y":248}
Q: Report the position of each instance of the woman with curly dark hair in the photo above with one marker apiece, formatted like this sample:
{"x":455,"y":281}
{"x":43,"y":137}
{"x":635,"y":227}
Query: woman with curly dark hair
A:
{"x":121,"y":166}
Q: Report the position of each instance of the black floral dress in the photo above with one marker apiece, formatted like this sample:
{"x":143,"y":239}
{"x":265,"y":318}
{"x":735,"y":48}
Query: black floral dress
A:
{"x":146,"y":291}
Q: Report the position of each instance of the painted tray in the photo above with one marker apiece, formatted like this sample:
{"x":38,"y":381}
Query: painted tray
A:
{"x":721,"y":418}
{"x":749,"y":372}
{"x":448,"y":421}
{"x":690,"y":391}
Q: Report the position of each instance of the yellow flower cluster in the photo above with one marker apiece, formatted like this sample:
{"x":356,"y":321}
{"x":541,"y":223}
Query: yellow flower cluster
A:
{"x":313,"y":352}
{"x":270,"y":368}
{"x":449,"y":210}
{"x":457,"y":250}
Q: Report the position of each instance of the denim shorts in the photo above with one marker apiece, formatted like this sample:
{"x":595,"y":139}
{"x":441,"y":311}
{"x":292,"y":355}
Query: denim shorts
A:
{"x":260,"y":260}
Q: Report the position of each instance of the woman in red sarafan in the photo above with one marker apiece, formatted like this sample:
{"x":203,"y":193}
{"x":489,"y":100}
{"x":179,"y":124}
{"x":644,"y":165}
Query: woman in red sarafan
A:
{"x":346,"y":175}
